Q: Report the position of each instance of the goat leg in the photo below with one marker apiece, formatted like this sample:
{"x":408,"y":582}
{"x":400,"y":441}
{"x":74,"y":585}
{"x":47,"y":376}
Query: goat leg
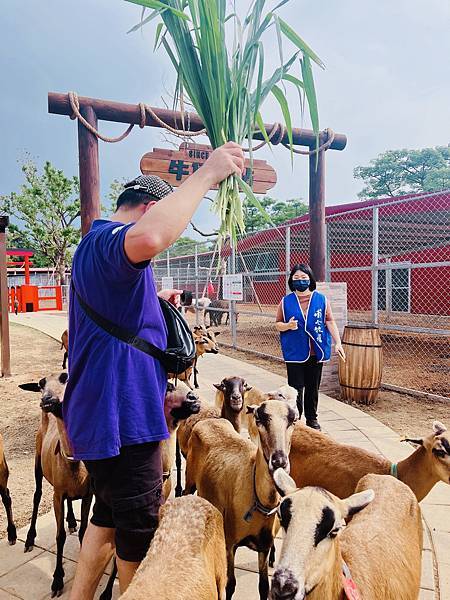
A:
{"x":231,"y":578}
{"x":71,"y":521}
{"x":107,"y":592}
{"x":195,"y":374}
{"x":263,"y":585}
{"x":31,"y":536}
{"x":58,"y":575}
{"x":11,"y":531}
{"x":179,"y":487}
{"x":65,"y":359}
{"x":272,"y":556}
{"x":85,"y":508}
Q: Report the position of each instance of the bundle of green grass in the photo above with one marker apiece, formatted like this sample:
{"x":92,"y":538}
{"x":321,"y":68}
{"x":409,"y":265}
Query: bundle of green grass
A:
{"x":225,"y":80}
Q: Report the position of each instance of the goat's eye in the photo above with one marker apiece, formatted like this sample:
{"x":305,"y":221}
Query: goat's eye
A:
{"x":439,"y":453}
{"x":333,"y":533}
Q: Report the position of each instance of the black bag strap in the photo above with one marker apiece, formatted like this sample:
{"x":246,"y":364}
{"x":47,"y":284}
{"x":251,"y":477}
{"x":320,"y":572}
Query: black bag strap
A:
{"x":119,"y":332}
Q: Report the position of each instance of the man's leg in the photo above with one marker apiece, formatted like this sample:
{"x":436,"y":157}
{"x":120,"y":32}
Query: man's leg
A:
{"x":96,"y":551}
{"x":126,"y":571}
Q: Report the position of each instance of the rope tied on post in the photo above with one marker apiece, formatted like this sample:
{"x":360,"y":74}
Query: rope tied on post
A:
{"x":143,"y":109}
{"x":275,"y":136}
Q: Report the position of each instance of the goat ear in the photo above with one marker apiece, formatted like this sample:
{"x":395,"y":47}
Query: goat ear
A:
{"x":283,"y":482}
{"x":357,"y":502}
{"x":30,"y":387}
{"x":247,"y":387}
{"x":170,"y":387}
{"x":63,"y":378}
{"x":219,"y":386}
{"x":251,"y":409}
{"x":417,"y":441}
{"x":439,"y":428}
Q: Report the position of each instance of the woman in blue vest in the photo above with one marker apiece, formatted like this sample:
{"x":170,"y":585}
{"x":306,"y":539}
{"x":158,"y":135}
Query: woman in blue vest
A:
{"x":306,"y":325}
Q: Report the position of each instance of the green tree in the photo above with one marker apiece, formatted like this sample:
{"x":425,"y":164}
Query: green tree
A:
{"x":279,"y":211}
{"x":398,"y":172}
{"x":186,"y":245}
{"x":48,"y":206}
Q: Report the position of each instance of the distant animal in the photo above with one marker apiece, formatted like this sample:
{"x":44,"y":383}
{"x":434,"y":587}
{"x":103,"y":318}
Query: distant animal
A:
{"x":5,"y":495}
{"x":379,"y":552}
{"x":65,"y":345}
{"x":217,"y":309}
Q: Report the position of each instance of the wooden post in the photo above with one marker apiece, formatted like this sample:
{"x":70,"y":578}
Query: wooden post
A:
{"x":89,"y":171}
{"x":317,"y":232}
{"x":4,"y":315}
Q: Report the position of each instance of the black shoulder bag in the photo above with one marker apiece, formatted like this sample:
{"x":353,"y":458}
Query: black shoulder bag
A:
{"x":180,"y":352}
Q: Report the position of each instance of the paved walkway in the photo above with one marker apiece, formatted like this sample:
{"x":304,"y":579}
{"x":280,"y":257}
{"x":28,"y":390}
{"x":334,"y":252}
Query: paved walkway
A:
{"x":28,"y":576}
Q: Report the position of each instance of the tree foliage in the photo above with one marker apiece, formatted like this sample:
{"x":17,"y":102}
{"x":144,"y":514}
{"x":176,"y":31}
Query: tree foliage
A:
{"x":186,"y":245}
{"x":48,"y":209}
{"x":399,"y":172}
{"x":279,"y":211}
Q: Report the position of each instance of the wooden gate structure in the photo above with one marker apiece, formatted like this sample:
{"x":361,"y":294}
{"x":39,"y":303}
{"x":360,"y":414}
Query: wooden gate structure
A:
{"x":94,"y":109}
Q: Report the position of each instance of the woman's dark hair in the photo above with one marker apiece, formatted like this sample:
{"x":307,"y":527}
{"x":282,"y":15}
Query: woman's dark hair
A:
{"x":305,"y":269}
{"x":132,"y":198}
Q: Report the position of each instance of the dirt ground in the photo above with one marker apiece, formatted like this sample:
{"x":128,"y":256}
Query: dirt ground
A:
{"x":409,"y":360}
{"x":407,"y":415}
{"x":33,"y":355}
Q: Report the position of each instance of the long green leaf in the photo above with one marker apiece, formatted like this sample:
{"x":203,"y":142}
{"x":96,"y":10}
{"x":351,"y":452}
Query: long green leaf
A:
{"x":281,"y":98}
{"x":143,"y":22}
{"x":310,"y":91}
{"x":254,"y":200}
{"x":297,"y":41}
{"x":156,"y":5}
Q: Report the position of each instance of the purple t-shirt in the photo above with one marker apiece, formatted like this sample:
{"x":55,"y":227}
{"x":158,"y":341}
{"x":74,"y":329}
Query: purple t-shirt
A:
{"x":115,"y":393}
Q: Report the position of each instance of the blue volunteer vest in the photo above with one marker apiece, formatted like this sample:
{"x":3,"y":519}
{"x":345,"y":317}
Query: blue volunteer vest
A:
{"x":295,"y":343}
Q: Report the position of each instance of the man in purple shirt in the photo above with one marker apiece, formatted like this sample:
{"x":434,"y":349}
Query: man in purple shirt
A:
{"x":114,"y":401}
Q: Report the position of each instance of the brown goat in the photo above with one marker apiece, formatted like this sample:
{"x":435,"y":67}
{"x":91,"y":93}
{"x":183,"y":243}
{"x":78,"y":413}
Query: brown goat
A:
{"x":186,"y":559}
{"x":205,"y":343}
{"x":6,"y":498}
{"x":230,"y":401}
{"x":318,"y":460}
{"x":234,"y":474}
{"x":178,"y":406}
{"x":65,"y":345}
{"x":380,"y":550}
{"x":53,"y":461}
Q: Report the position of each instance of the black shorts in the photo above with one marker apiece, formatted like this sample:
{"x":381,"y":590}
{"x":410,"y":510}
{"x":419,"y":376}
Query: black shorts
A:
{"x":128,"y":496}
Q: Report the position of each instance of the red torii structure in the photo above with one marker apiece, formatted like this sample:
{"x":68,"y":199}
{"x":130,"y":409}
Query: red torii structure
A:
{"x":26,"y":254}
{"x":93,"y":109}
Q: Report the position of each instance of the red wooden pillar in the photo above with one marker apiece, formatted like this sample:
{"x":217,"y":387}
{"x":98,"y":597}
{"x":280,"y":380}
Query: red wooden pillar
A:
{"x":27,"y":270}
{"x":317,"y":231}
{"x":4,"y":316}
{"x":89,"y":170}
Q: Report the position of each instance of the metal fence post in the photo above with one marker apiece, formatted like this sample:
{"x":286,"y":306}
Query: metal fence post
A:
{"x":196,"y":282}
{"x":233,"y":302}
{"x":327,"y":253}
{"x":375,"y":237}
{"x":168,"y":262}
{"x":288,"y":257}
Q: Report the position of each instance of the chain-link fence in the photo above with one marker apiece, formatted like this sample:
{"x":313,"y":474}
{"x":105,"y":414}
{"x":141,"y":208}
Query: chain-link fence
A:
{"x":394,"y":257}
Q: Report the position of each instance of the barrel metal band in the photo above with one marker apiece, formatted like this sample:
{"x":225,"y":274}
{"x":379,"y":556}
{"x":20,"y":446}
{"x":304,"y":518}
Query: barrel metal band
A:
{"x":362,"y":345}
{"x":354,"y":387}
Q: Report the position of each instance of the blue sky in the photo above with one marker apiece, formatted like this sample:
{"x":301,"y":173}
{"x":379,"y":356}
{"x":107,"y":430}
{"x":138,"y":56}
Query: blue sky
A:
{"x":386,"y":83}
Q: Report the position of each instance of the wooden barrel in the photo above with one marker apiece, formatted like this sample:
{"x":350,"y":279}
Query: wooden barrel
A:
{"x":360,"y":375}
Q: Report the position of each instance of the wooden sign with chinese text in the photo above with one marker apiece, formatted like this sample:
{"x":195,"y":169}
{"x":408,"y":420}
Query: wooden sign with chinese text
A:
{"x":174,"y":166}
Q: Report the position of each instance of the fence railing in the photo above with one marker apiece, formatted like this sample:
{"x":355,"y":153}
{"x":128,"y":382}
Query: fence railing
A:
{"x":394,"y":258}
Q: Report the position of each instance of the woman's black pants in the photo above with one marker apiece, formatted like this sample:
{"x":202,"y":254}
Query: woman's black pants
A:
{"x":306,"y":376}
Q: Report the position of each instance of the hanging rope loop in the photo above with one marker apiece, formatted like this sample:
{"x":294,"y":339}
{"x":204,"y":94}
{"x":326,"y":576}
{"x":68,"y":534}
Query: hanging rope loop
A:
{"x":275,"y":136}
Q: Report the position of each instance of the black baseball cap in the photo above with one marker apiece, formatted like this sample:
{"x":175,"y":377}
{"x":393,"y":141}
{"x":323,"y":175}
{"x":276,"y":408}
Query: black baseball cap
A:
{"x":152,"y":184}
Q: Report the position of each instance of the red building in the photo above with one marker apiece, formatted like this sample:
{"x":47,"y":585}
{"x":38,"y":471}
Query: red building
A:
{"x":392,"y":251}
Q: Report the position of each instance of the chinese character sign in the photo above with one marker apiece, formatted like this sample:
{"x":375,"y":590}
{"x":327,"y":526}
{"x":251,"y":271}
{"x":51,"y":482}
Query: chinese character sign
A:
{"x":175,"y":166}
